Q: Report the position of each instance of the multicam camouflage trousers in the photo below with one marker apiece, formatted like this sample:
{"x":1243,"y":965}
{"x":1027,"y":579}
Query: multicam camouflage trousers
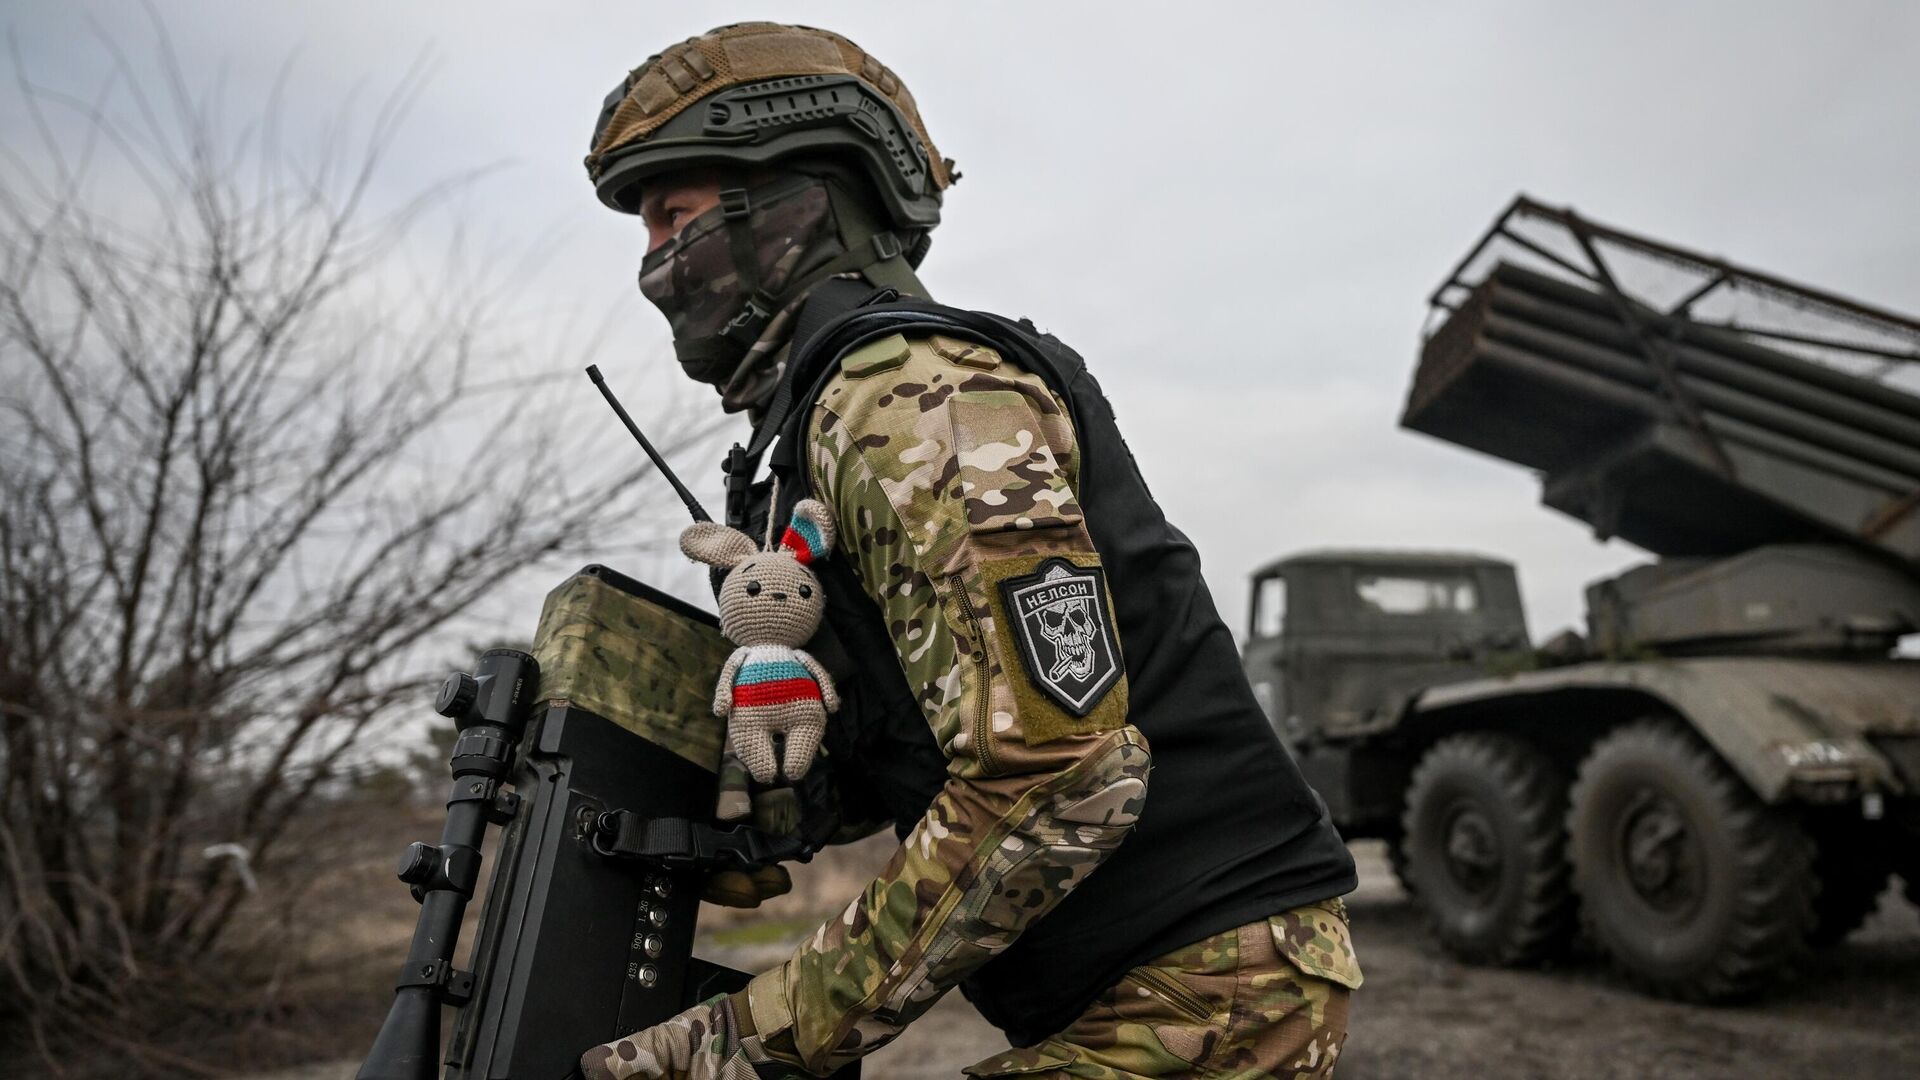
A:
{"x":1268,"y":999}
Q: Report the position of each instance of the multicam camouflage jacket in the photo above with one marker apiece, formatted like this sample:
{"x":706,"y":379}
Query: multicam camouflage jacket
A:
{"x":950,"y":471}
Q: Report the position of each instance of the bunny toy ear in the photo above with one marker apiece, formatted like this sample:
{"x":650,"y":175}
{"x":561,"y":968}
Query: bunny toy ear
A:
{"x":715,"y":544}
{"x":810,"y":534}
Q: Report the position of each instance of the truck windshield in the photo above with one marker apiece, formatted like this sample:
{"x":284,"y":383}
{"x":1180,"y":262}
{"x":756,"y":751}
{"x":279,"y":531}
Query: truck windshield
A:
{"x":1408,"y":595}
{"x":1269,"y":607}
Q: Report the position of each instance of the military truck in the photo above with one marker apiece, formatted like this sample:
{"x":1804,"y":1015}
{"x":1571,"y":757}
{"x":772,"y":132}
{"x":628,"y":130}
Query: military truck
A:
{"x":1724,"y":770}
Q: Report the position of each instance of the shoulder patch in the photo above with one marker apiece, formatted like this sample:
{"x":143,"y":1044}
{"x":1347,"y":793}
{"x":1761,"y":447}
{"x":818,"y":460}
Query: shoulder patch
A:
{"x":1058,"y":617}
{"x":875,"y":357}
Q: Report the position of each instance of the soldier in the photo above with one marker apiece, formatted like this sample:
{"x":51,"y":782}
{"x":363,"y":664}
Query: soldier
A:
{"x":1102,"y":842}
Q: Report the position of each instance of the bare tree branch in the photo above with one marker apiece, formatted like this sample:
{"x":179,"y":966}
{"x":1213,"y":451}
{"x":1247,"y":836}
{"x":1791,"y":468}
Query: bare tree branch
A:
{"x":244,"y":480}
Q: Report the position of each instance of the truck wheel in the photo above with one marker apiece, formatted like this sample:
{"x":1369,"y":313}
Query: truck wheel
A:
{"x":1486,"y":849}
{"x":1906,"y":865}
{"x":1851,"y":881}
{"x":1397,"y":862}
{"x":1694,"y":888}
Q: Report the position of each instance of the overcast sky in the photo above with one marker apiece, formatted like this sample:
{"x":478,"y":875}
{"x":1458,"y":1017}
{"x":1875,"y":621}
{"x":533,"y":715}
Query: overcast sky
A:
{"x":1234,"y":211}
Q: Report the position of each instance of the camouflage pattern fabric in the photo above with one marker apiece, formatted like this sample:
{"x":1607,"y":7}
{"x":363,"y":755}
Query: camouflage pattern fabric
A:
{"x":1266,"y":1001}
{"x":695,"y":282}
{"x":774,"y":810}
{"x":679,"y":76}
{"x":938,"y":459}
{"x":706,"y":1042}
{"x":733,"y":799}
{"x":642,"y":666}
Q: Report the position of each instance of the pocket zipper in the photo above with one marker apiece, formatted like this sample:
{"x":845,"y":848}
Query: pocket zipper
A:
{"x":1174,"y":991}
{"x":983,"y":684}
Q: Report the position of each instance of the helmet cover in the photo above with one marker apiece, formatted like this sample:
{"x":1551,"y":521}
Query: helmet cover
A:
{"x":768,"y":91}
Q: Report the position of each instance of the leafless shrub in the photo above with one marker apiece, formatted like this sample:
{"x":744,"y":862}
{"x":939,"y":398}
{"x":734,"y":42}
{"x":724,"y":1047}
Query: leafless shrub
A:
{"x":248,"y":467}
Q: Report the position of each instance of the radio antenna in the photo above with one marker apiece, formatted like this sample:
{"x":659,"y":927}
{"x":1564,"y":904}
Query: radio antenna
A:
{"x":693,"y":505}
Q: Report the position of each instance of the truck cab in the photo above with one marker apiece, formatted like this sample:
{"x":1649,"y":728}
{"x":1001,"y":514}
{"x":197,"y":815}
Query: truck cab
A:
{"x":1338,"y":640}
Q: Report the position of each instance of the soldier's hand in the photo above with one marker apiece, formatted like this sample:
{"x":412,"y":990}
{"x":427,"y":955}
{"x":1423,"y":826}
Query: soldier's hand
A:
{"x":747,"y":888}
{"x":703,"y":1043}
{"x":775,"y":811}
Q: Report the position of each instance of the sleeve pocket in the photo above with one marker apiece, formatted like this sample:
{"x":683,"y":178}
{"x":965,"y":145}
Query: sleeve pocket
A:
{"x":1008,"y":475}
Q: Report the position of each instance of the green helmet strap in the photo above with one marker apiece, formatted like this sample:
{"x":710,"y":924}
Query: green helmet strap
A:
{"x":881,"y":253}
{"x":745,"y":327}
{"x":875,"y":252}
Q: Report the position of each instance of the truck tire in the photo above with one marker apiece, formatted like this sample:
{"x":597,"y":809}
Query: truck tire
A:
{"x":1485,"y":848}
{"x":1694,"y":888}
{"x":1397,"y":862}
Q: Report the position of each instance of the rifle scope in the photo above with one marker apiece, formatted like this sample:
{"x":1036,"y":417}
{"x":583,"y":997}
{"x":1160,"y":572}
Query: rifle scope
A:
{"x":490,"y":710}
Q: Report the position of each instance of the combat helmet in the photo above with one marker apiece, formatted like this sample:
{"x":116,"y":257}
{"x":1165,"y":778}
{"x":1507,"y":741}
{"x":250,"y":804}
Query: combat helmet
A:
{"x":830,"y":173}
{"x":752,"y":94}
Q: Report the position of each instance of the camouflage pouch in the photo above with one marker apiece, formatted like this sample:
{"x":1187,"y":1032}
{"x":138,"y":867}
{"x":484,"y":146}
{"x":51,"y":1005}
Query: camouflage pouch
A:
{"x":1317,"y":939}
{"x":648,"y":664}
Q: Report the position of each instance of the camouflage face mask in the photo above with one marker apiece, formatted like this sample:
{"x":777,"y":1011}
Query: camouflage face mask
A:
{"x":731,"y":270}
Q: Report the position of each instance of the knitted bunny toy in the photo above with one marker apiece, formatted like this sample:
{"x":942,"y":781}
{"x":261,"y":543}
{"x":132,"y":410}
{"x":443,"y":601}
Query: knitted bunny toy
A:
{"x":770,"y":604}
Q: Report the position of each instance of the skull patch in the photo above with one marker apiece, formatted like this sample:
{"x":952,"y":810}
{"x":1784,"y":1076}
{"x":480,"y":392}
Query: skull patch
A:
{"x":1065,"y":632}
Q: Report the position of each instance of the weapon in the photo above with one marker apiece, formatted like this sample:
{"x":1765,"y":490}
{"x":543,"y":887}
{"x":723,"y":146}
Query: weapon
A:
{"x":490,"y":710}
{"x":606,"y":738}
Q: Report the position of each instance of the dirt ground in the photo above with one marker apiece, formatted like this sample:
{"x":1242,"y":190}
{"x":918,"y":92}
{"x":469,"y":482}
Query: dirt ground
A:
{"x":1851,"y":1013}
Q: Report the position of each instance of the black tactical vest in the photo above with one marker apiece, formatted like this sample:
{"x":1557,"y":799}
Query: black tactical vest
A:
{"x":1230,"y":833}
